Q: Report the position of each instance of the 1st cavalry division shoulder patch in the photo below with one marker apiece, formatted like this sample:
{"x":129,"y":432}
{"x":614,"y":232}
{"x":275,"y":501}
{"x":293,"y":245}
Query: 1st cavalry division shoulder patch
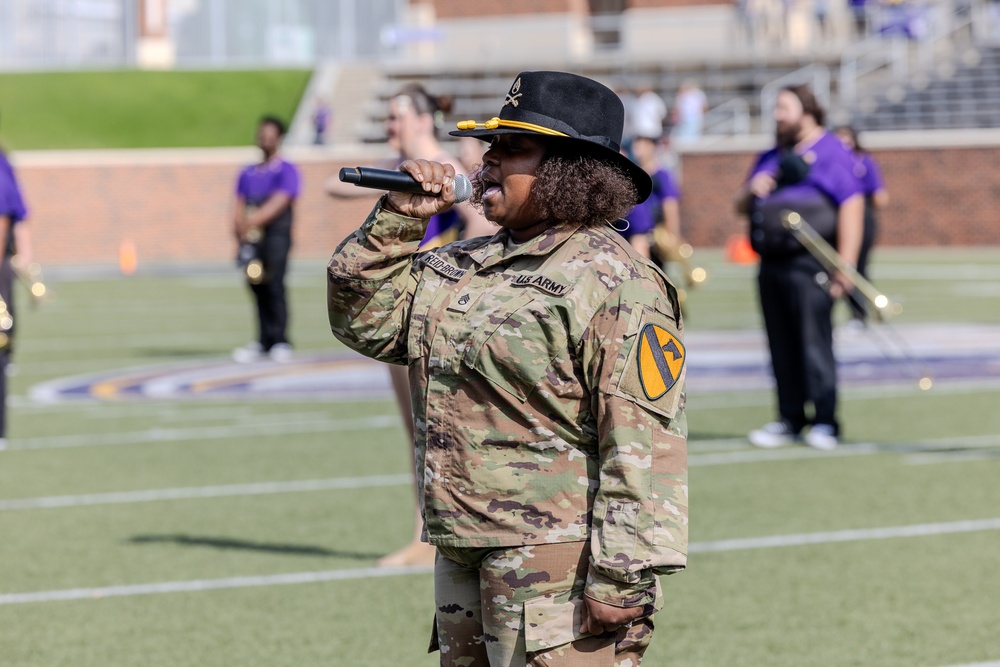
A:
{"x":660,"y":360}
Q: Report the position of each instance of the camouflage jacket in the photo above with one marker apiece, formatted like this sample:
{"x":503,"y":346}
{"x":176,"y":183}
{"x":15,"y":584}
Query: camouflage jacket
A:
{"x":547,"y":385}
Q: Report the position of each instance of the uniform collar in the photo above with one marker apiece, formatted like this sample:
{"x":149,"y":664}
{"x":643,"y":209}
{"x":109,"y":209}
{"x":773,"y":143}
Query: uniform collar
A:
{"x":495,"y":252}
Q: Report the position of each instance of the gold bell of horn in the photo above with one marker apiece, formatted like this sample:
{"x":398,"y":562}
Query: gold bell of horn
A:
{"x":6,"y":325}
{"x":255,"y":267}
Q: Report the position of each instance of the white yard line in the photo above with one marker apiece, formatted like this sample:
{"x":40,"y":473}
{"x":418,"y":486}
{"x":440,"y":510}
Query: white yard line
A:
{"x":187,"y":493}
{"x":774,"y":541}
{"x":209,"y":584}
{"x":857,"y":535}
{"x":302,"y":486}
{"x":936,"y":458}
{"x":748,"y":455}
{"x":278,"y":427}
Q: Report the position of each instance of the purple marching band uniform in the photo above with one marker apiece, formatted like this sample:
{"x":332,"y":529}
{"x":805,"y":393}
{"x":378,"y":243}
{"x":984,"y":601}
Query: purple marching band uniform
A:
{"x":12,"y":207}
{"x":868,"y":172}
{"x":645,"y":216}
{"x":256,"y":184}
{"x":813,"y":181}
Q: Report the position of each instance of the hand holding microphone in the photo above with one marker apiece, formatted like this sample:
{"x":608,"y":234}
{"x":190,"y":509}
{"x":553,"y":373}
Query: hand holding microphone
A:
{"x":420,"y":189}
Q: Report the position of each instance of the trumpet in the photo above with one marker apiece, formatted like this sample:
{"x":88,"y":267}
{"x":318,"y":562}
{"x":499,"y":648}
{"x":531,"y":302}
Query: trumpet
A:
{"x":249,"y":256}
{"x":672,"y":248}
{"x":6,"y":326}
{"x":31,"y":276}
{"x":884,"y":307}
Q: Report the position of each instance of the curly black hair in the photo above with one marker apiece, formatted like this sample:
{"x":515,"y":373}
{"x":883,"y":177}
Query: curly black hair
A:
{"x":572,"y":186}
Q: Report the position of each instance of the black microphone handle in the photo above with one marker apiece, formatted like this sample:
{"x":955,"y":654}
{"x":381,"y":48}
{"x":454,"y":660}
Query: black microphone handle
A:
{"x":398,"y":181}
{"x":382,"y":179}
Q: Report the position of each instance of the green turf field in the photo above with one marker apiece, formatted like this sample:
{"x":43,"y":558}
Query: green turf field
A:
{"x":143,"y":109}
{"x":199,"y":577}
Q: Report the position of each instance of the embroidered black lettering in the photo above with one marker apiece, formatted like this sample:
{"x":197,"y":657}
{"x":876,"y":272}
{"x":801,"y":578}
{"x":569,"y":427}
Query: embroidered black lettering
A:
{"x":444,"y":268}
{"x":542,"y":283}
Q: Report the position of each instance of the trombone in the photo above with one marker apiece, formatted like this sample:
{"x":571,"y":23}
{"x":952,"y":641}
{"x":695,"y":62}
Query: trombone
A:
{"x":832,"y":261}
{"x":884,"y":307}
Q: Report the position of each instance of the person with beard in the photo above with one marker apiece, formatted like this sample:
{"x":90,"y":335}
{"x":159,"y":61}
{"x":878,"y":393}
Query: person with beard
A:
{"x":811,"y":173}
{"x":547,"y":367}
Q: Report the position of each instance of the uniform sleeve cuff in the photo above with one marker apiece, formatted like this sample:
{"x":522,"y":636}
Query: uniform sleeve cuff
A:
{"x":387,"y":225}
{"x":619,"y":594}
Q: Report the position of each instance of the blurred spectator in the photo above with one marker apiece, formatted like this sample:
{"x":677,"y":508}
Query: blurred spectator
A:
{"x":648,"y":113}
{"x":859,"y":14}
{"x":748,"y":16}
{"x":688,"y":114}
{"x":628,"y":102}
{"x":821,"y":11}
{"x":322,"y":120}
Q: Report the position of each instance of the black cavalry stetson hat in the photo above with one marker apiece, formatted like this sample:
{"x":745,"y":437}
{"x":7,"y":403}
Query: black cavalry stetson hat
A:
{"x":566,"y":107}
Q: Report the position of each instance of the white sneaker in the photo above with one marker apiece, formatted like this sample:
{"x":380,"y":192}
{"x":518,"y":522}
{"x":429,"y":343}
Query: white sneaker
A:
{"x":822,"y":436}
{"x":773,"y":434}
{"x":3,"y":444}
{"x":280,"y":352}
{"x":248,"y":354}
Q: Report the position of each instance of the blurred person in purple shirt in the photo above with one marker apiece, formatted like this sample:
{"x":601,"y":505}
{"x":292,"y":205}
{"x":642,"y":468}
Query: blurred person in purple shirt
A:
{"x":262,"y":220}
{"x":15,"y":237}
{"x":876,"y":197}
{"x":663,"y":205}
{"x":811,"y":173}
{"x":412,"y":129}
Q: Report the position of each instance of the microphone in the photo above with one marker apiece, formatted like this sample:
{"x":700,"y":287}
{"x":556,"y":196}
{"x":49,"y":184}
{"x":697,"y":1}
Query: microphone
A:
{"x":398,"y":181}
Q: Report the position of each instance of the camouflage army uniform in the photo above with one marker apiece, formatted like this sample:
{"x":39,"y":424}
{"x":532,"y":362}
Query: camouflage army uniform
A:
{"x":547,"y":384}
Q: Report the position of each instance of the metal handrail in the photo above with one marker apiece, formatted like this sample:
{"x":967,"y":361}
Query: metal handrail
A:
{"x":880,"y":52}
{"x":867,"y":56}
{"x":818,"y":78}
{"x":734,"y":113}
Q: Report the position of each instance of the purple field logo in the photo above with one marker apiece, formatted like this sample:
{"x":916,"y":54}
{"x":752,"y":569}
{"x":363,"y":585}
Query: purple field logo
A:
{"x":718,"y":361}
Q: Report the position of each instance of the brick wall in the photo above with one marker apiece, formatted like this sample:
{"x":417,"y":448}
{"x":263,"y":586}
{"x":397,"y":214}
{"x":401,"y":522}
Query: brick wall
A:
{"x":169,"y":209}
{"x":176,"y":209}
{"x":938,"y":195}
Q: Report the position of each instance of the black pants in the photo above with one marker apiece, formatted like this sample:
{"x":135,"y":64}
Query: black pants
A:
{"x":858,"y":303}
{"x":798,"y":317}
{"x":7,"y":292}
{"x":272,"y":306}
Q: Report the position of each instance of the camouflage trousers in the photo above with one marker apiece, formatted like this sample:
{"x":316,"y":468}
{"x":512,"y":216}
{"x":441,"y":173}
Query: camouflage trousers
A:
{"x":520,"y":606}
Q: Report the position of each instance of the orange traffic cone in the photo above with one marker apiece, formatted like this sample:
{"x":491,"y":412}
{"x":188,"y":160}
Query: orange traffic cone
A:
{"x":127,"y":258}
{"x":738,"y":250}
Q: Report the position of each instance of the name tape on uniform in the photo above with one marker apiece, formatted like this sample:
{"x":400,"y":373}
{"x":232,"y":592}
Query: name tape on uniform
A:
{"x":447,"y":270}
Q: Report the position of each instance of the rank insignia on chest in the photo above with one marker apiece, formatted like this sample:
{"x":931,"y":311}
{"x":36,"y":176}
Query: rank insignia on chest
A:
{"x":660,"y":360}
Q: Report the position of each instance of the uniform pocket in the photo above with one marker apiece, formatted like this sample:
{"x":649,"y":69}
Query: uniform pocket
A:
{"x":552,"y":620}
{"x":513,"y":350}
